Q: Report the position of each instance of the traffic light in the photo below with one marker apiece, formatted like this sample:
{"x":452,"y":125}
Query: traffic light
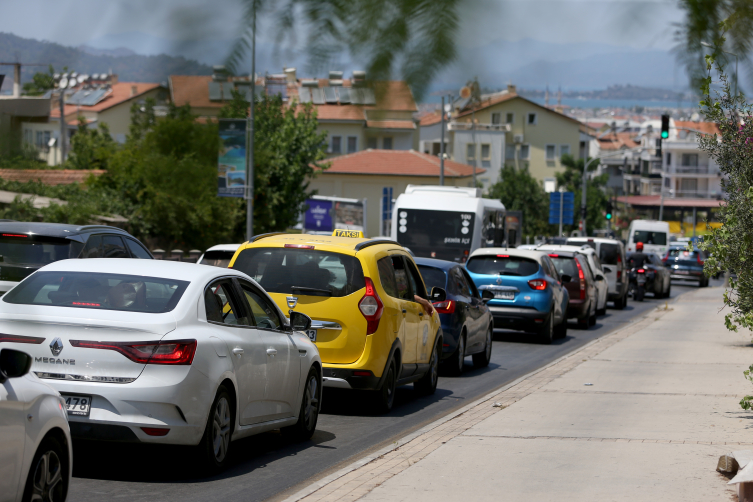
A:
{"x":664,"y":126}
{"x":609,"y":211}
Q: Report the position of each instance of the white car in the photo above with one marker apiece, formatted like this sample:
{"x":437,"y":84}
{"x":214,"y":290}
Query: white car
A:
{"x":166,"y":352}
{"x":36,"y":459}
{"x":219,"y":255}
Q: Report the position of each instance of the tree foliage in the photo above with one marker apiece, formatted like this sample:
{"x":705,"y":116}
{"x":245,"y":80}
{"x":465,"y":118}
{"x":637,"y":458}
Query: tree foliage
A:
{"x":596,"y":196}
{"x":41,"y":82}
{"x":519,"y":191}
{"x":91,"y":148}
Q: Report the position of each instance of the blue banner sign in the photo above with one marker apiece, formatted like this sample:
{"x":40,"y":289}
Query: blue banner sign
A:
{"x":568,"y":207}
{"x":318,"y":216}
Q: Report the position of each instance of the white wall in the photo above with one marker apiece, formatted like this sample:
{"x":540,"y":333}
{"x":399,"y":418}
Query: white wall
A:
{"x":495,"y":139}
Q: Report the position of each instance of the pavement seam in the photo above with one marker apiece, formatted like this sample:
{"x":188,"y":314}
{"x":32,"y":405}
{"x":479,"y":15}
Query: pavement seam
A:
{"x":589,"y":438}
{"x":469,"y":415}
{"x":569,"y":391}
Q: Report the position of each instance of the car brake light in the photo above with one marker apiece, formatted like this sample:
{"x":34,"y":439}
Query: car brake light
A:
{"x":503,"y":256}
{"x":641,"y":271}
{"x":155,"y":431}
{"x":554,"y":256}
{"x":299,"y":246}
{"x":36,"y":340}
{"x":15,"y":235}
{"x":582,"y":279}
{"x":619,"y":271}
{"x":371,"y":307}
{"x":363,"y":373}
{"x":666,"y":257}
{"x":445,"y":307}
{"x":537,"y":284}
{"x":698,"y":259}
{"x":179,"y":352}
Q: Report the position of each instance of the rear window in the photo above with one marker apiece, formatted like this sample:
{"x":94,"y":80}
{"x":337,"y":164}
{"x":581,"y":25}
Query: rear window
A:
{"x":683,"y":254}
{"x":433,"y":277}
{"x":648,"y":237}
{"x":502,"y":265}
{"x":302,"y":271}
{"x":217,"y":258}
{"x":565,"y":265}
{"x":609,"y":253}
{"x":131,"y":293}
{"x":36,"y":250}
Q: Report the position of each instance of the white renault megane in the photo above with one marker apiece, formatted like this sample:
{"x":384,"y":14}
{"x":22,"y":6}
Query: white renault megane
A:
{"x":165,"y":352}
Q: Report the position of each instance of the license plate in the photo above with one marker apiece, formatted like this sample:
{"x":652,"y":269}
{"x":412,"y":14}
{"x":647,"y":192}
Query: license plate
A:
{"x":641,"y":280}
{"x":78,"y":405}
{"x":312,"y":334}
{"x":682,"y":272}
{"x":504,"y":295}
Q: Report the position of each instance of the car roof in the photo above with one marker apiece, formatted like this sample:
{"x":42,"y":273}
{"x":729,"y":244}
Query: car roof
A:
{"x":433,"y":262}
{"x":60,"y":230}
{"x":224,"y":247}
{"x":566,"y":248}
{"x":523,"y":253}
{"x":601,"y":240}
{"x":343,"y":245}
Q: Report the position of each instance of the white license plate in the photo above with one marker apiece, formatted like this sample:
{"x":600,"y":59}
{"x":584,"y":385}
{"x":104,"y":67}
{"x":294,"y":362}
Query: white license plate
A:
{"x":78,"y":405}
{"x":682,"y":272}
{"x":312,"y":334}
{"x":504,"y":295}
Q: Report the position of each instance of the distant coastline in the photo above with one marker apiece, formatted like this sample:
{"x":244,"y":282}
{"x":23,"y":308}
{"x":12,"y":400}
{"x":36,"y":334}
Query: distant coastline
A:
{"x":638,"y":105}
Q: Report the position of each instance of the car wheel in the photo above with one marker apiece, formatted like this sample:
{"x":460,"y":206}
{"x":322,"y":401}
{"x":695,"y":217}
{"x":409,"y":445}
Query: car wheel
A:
{"x":427,"y":384}
{"x":310,"y":407}
{"x":48,"y":476}
{"x":703,"y":282}
{"x":602,"y":311}
{"x":387,"y":393}
{"x":215,"y":444}
{"x":560,"y":331}
{"x":481,"y":360}
{"x":639,"y":293}
{"x":669,"y":290}
{"x":592,"y":320}
{"x":547,"y":334}
{"x":621,"y":303}
{"x":456,"y":361}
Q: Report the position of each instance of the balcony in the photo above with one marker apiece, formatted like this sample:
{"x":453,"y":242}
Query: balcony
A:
{"x":693,"y":194}
{"x":467,"y":126}
{"x":695,"y":170}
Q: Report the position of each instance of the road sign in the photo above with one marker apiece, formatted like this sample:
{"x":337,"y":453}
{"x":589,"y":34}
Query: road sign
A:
{"x":564,"y":202}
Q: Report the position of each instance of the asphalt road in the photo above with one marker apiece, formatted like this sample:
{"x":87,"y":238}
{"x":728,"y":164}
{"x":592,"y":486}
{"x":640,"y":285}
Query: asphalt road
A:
{"x":266,"y":466}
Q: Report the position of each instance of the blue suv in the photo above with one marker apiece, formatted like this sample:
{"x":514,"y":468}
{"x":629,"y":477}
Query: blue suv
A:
{"x":528,"y":292}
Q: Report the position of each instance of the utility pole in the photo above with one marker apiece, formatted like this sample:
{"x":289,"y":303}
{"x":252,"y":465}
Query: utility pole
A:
{"x":562,"y":208}
{"x":583,"y":191}
{"x":62,"y":127}
{"x":441,"y":149}
{"x":250,"y":137}
{"x":473,"y":140}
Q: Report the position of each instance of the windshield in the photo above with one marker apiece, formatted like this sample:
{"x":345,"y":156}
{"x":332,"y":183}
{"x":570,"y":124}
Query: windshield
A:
{"x":302,"y":271}
{"x":683,"y":254}
{"x":433,"y":277}
{"x":502,"y":265}
{"x":132,"y":293}
{"x":217,"y":258}
{"x":648,"y":237}
{"x":609,"y":254}
{"x":445,"y":235}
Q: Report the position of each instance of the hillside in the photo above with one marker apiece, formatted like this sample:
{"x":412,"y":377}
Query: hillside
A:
{"x":129,"y":68}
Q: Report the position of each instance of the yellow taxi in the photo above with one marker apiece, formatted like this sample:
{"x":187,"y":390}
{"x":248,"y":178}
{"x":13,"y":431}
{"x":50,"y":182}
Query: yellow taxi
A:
{"x":371,"y":331}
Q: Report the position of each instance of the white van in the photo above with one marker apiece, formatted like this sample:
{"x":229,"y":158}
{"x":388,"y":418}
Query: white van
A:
{"x":653,"y":234}
{"x":611,"y":254}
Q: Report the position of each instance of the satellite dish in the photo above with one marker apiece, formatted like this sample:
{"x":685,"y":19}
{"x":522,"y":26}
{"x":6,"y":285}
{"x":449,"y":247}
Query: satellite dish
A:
{"x":74,"y":75}
{"x":465,"y":92}
{"x":448,"y":108}
{"x":56,"y":76}
{"x":63,"y":83}
{"x":81,"y":79}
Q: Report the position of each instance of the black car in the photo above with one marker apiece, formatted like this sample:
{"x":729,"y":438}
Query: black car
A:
{"x":684,"y":264}
{"x":467,"y":323}
{"x":28,"y":246}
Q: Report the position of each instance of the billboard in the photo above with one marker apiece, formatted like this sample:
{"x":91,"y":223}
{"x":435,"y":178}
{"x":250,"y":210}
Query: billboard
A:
{"x":231,"y":164}
{"x":325,"y":214}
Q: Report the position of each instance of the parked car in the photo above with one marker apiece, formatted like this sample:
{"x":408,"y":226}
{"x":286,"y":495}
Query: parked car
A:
{"x":467,"y":322}
{"x":658,"y":280}
{"x":529,"y":294}
{"x":36,"y":458}
{"x":219,"y":255}
{"x":686,"y":265}
{"x":600,"y":282}
{"x":582,"y":286}
{"x":27,"y":246}
{"x":166,"y":352}
{"x":611,"y":254}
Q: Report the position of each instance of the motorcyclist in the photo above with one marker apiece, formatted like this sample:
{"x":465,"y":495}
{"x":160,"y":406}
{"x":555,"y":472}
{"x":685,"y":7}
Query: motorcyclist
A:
{"x":639,"y":258}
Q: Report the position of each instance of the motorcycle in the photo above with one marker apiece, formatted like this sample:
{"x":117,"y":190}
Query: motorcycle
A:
{"x":639,"y":282}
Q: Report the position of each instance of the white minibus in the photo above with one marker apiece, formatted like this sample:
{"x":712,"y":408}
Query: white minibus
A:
{"x":653,"y":234}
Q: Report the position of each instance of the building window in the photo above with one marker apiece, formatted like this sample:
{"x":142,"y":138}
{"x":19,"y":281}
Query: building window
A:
{"x":40,"y":139}
{"x":690,"y":159}
{"x":550,"y":185}
{"x":669,"y":158}
{"x":352,"y":144}
{"x":509,"y":118}
{"x":470,"y":153}
{"x":525,"y":151}
{"x":371,"y":143}
{"x":564,"y":150}
{"x":532,"y":119}
{"x":387,"y":143}
{"x":486,"y":155}
{"x":336,"y":144}
{"x":551,"y":152}
{"x":496,"y":118}
{"x":509,"y":152}
{"x":28,"y":137}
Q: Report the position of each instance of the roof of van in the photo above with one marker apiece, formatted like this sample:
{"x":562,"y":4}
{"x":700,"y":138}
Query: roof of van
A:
{"x":602,"y":240}
{"x":649,"y":223}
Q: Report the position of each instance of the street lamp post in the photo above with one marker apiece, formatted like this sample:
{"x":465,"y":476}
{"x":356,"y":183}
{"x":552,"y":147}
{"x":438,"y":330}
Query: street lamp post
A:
{"x":250,"y":137}
{"x":441,"y":148}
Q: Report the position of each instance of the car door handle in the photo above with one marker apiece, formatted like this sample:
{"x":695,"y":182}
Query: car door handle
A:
{"x":420,"y":314}
{"x":238,"y":351}
{"x":405,"y":311}
{"x":272,"y":352}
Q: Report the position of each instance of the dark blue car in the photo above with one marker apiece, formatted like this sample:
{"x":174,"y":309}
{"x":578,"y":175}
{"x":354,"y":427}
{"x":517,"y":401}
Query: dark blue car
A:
{"x":467,"y":323}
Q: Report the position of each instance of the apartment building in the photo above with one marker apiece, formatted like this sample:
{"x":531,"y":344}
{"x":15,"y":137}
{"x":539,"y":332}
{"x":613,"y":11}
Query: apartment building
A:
{"x":688,"y":171}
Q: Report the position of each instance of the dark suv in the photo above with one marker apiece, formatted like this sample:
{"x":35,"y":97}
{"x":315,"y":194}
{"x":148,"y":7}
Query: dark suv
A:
{"x":28,"y":246}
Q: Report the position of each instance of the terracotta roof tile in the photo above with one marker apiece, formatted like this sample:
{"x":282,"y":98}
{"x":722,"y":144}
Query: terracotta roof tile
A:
{"x":654,"y":200}
{"x":617,"y":141}
{"x":507,"y":96}
{"x":704,"y":127}
{"x":391,"y":124}
{"x":430,"y":119}
{"x":121,"y":92}
{"x":397,"y":163}
{"x":339,"y":112}
{"x":49,"y":176}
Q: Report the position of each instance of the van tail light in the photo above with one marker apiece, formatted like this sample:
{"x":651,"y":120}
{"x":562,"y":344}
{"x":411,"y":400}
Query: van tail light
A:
{"x":537,"y":284}
{"x":619,"y":267}
{"x":445,"y":307}
{"x":178,"y":352}
{"x":698,"y":259}
{"x":371,"y":307}
{"x":582,"y":279}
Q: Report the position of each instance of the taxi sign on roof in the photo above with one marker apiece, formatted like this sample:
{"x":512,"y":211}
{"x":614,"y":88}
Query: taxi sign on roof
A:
{"x":358,"y":234}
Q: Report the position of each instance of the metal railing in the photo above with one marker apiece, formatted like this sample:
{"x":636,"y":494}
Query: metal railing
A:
{"x":467,"y":126}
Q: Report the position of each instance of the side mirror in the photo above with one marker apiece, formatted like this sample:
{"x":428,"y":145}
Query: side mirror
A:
{"x":438,"y":294}
{"x":13,"y":364}
{"x":566,"y":278}
{"x":299,"y":321}
{"x":486,"y":295}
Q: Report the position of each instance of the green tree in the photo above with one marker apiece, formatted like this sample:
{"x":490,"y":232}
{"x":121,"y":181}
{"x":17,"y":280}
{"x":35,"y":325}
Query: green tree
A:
{"x":596,"y":197}
{"x":40,"y":83}
{"x":287,"y":154}
{"x":519,"y":191}
{"x":91,"y":148}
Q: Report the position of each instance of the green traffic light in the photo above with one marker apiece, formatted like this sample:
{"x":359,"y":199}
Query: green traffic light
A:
{"x":609,"y":216}
{"x":665,"y":134}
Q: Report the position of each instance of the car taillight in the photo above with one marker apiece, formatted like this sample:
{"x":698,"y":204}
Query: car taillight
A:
{"x":36,"y":340}
{"x":445,"y":307}
{"x":641,"y":271}
{"x":537,"y":284}
{"x":299,"y":246}
{"x":666,"y":257}
{"x":178,"y":352}
{"x":371,"y":307}
{"x":619,"y":267}
{"x":15,"y":235}
{"x":698,"y":259}
{"x":155,"y":431}
{"x":582,"y":279}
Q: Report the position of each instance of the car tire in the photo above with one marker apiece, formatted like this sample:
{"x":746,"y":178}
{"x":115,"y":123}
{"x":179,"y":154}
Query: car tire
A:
{"x":601,"y":312}
{"x":621,"y":303}
{"x":703,"y":282}
{"x":669,"y":290}
{"x":592,"y":320}
{"x":214,"y":447}
{"x":639,"y":294}
{"x":386,"y":394}
{"x":560,"y":331}
{"x":546,"y":335}
{"x":48,"y":475}
{"x":481,"y":360}
{"x":310,"y":408}
{"x":455,"y":362}
{"x":427,"y":384}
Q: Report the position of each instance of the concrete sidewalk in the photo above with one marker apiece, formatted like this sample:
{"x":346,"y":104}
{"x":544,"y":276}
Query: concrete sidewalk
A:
{"x":662,"y":408}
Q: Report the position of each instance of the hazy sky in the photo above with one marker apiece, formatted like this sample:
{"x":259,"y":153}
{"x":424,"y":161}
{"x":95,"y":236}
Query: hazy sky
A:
{"x":633,"y":23}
